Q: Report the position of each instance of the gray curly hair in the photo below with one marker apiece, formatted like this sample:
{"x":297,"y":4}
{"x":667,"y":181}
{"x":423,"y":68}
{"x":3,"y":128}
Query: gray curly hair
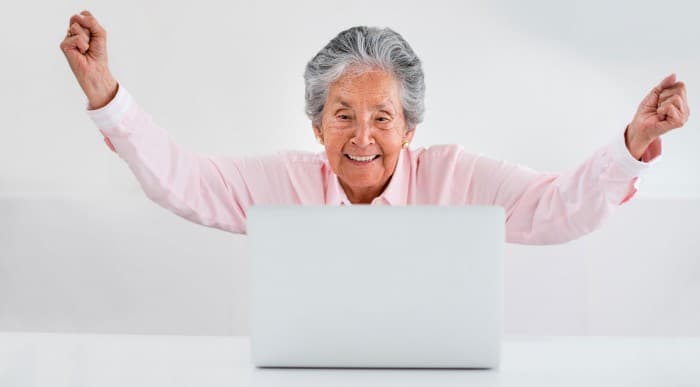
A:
{"x":366,"y":47}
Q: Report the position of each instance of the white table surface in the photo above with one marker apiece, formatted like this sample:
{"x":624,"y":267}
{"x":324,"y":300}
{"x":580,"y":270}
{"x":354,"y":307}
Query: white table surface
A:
{"x":56,"y":359}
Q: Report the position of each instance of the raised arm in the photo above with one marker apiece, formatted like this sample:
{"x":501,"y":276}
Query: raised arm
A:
{"x":208,"y":190}
{"x":554,"y":208}
{"x":551,"y":208}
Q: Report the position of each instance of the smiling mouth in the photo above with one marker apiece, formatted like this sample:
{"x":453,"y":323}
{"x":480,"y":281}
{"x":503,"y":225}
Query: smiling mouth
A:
{"x":362,"y":159}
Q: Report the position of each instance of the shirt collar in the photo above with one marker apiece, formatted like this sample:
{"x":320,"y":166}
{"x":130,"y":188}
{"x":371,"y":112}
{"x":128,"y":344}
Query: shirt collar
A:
{"x":335,"y":195}
{"x":395,"y":194}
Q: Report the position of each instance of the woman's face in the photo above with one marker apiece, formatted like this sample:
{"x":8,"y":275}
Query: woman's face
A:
{"x":363,"y":118}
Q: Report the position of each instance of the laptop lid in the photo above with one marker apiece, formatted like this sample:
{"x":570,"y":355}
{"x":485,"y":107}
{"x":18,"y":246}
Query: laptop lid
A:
{"x":376,"y":286}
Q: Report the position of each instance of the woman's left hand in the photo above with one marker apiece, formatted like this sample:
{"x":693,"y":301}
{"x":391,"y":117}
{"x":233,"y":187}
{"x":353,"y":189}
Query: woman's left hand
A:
{"x":665,"y":108}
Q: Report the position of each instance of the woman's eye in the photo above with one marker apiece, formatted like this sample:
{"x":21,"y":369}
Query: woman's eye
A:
{"x":343,"y":117}
{"x":383,"y":119}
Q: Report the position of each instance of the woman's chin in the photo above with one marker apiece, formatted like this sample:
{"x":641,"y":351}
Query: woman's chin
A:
{"x":362,"y":176}
{"x":362,"y":179}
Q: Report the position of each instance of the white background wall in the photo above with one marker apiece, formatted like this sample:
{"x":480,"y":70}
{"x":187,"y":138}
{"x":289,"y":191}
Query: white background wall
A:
{"x":543,"y":83}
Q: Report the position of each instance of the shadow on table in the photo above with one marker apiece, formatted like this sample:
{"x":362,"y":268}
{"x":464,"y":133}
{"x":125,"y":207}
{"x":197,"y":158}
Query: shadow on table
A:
{"x":367,"y":377}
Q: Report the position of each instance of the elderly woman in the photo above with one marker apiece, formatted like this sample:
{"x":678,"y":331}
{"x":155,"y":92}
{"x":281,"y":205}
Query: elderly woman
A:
{"x":364,"y":96}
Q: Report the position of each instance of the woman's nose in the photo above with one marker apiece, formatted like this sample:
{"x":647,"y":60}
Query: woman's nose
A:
{"x":363,"y":135}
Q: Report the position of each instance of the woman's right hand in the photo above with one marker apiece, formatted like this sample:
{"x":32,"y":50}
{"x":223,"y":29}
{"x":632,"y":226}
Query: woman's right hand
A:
{"x":85,"y":48}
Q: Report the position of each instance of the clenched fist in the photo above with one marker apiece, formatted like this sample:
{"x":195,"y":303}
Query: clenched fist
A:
{"x":665,"y":108}
{"x":85,"y":48}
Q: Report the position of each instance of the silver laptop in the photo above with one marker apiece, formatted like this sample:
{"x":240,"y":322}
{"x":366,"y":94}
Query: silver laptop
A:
{"x":376,"y":286}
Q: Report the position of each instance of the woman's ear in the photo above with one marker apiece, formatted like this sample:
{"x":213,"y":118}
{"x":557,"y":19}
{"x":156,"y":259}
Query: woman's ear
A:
{"x":408,"y":136}
{"x":318,"y":133}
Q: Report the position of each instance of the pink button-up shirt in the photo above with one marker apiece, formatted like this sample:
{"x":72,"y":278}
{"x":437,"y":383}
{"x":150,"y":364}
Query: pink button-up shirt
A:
{"x":215,"y":191}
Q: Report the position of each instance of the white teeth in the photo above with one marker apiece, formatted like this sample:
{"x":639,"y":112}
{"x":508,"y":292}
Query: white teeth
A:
{"x":360,"y":158}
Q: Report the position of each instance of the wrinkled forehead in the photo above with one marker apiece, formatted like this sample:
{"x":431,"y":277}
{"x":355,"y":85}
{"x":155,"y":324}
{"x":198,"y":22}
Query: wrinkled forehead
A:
{"x":373,"y":88}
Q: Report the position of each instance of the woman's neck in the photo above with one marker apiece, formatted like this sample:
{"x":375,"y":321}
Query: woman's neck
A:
{"x":363,"y":195}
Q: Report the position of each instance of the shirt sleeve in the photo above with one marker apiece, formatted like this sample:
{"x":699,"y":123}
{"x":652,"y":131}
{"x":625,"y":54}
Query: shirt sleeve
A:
{"x":213,"y":191}
{"x":551,"y":208}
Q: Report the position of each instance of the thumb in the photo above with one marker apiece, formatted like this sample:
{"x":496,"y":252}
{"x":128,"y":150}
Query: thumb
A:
{"x":73,"y":48}
{"x":667,"y":82}
{"x":651,"y":100}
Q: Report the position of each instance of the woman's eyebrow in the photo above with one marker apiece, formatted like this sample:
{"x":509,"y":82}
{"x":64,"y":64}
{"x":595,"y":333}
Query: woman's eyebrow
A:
{"x":341,"y":103}
{"x":388,"y":106}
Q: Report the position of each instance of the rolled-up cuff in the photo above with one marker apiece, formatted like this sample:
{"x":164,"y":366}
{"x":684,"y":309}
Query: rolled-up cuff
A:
{"x":109,"y":116}
{"x":624,"y":159}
